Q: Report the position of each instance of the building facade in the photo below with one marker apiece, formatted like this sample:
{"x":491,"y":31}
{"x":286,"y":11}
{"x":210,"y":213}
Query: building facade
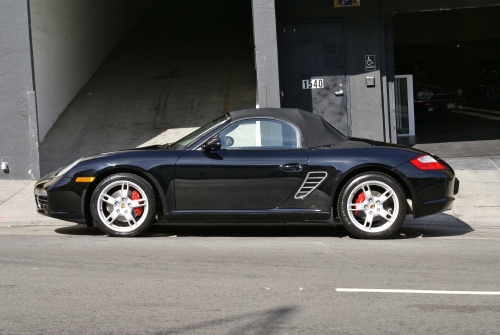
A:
{"x":331,"y":57}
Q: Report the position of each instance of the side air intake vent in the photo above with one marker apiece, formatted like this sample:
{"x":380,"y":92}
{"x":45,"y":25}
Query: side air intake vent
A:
{"x":312,"y":181}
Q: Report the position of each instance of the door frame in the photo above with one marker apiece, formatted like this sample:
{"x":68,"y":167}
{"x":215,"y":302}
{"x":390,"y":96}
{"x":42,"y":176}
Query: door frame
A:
{"x":281,"y":60}
{"x":411,"y":104}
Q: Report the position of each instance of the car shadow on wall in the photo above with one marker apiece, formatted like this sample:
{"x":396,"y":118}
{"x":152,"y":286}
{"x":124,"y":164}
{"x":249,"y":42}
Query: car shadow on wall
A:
{"x":440,"y":225}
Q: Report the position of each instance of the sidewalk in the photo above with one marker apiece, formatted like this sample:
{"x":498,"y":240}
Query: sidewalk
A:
{"x":17,"y":205}
{"x":477,"y":204}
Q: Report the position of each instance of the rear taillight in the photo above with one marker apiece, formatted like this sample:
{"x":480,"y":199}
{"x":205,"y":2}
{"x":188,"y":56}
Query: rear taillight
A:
{"x":426,"y":162}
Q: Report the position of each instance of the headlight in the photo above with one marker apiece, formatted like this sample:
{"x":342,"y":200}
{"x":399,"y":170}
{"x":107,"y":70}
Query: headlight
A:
{"x":460,"y":92}
{"x":424,"y":95}
{"x":40,"y":192}
{"x":67,"y":168}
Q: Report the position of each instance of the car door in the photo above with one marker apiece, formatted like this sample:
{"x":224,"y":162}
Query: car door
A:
{"x":259,"y":166}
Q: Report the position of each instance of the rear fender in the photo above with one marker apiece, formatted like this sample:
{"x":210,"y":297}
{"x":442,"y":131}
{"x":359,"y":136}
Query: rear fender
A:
{"x":367,"y":168}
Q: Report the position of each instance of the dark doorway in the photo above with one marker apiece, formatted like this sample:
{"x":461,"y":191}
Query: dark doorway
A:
{"x":184,"y":64}
{"x":312,"y":69}
{"x":448,"y":52}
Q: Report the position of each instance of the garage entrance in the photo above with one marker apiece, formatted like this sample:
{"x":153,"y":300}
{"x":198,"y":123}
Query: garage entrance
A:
{"x":454,"y":59}
{"x":183,"y":64}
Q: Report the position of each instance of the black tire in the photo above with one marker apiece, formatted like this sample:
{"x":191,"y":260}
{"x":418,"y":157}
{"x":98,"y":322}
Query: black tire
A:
{"x":365,"y":217}
{"x":116,"y":209}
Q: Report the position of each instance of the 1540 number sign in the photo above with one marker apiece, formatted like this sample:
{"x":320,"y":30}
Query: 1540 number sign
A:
{"x":310,"y":84}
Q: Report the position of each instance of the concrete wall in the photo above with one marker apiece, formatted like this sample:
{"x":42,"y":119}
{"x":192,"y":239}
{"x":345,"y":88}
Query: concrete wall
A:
{"x":18,"y":137}
{"x":71,"y":39}
{"x":364,"y":35}
{"x":266,"y":53}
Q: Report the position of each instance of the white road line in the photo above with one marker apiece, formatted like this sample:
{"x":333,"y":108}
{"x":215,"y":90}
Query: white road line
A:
{"x":480,"y":110}
{"x":370,"y":290}
{"x":478,"y":115}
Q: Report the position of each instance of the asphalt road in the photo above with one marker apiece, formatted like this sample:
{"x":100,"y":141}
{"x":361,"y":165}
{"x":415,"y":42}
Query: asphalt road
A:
{"x":246,"y":280}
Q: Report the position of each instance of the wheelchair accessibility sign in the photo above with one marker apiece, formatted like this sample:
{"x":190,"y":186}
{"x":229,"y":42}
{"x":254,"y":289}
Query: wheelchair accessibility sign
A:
{"x":370,"y":63}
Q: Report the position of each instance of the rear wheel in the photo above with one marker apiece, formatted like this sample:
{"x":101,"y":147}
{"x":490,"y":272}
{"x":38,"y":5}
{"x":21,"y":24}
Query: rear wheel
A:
{"x":372,"y":206}
{"x":123,"y":205}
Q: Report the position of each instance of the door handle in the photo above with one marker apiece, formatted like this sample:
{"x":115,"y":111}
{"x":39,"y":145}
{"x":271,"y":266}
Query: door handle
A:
{"x":341,"y":92}
{"x":291,"y":167}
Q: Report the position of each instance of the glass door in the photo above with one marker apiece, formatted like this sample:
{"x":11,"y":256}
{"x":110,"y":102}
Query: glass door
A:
{"x":405,"y":113}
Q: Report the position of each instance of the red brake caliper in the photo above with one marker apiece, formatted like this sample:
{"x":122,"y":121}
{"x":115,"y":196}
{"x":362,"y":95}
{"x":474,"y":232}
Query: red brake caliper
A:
{"x":360,"y":199}
{"x":137,"y":196}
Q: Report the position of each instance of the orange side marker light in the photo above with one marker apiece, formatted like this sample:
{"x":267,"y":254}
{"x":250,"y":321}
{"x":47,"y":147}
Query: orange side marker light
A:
{"x":85,"y":179}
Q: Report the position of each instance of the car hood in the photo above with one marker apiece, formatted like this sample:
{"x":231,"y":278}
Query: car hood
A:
{"x":149,"y":147}
{"x":129,"y":157}
{"x":111,"y":153}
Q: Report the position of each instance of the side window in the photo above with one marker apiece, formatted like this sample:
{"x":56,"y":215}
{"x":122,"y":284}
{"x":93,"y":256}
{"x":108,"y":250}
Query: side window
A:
{"x":259,"y":134}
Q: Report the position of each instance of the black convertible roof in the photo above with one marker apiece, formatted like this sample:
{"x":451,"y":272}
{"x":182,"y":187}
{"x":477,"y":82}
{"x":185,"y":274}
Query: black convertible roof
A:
{"x":315,"y":130}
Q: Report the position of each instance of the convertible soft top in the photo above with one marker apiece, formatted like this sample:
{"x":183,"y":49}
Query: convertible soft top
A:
{"x":315,"y":130}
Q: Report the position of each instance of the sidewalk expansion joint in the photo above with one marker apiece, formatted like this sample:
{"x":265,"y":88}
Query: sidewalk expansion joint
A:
{"x":494,"y":164}
{"x":12,"y":196}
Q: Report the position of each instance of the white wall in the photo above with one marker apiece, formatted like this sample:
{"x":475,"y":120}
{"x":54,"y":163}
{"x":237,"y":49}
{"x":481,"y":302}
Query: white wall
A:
{"x":71,"y":39}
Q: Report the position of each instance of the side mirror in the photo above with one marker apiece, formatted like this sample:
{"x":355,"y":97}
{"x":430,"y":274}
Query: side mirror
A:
{"x":213,"y":144}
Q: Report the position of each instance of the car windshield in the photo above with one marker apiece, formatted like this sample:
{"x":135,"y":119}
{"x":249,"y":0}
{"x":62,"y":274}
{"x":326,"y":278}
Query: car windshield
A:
{"x":186,"y":140}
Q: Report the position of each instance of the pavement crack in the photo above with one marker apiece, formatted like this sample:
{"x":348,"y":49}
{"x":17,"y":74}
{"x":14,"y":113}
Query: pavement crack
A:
{"x":13,"y":195}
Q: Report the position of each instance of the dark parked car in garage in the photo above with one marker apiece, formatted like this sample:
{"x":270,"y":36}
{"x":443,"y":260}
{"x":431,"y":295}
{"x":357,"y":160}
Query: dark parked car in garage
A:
{"x":258,"y":165}
{"x":433,"y":99}
{"x":482,"y":81}
{"x":436,"y":101}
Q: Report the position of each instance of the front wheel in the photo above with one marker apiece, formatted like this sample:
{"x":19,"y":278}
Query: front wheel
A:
{"x":123,"y":204}
{"x":372,"y":206}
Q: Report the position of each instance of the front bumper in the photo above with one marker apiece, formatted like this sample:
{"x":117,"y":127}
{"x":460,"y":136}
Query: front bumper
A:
{"x":437,"y":106}
{"x":60,"y":198}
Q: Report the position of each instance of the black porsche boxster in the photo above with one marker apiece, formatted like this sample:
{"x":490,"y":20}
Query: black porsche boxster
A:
{"x":256,"y":165}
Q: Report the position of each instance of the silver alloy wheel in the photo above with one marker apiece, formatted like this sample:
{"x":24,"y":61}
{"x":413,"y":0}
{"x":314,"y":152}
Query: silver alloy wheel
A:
{"x":116,"y":207}
{"x":379,"y":209}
